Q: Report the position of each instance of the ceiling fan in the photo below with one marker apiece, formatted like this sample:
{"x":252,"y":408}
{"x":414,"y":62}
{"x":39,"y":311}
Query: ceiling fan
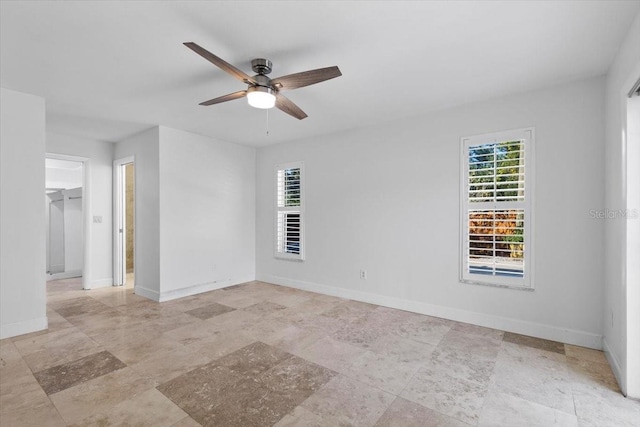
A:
{"x":264,"y":92}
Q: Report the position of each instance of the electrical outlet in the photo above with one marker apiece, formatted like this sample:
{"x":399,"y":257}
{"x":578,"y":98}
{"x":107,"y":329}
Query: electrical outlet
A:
{"x":363,"y":274}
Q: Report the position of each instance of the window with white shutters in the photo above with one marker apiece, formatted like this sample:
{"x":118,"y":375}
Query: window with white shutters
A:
{"x":496,"y":217}
{"x":289,"y":211}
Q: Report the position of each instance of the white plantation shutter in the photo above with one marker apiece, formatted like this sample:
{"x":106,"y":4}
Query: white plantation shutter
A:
{"x":289,"y":211}
{"x":496,"y":237}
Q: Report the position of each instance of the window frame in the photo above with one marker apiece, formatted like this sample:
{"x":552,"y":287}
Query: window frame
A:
{"x":294,"y":209}
{"x":527,"y":135}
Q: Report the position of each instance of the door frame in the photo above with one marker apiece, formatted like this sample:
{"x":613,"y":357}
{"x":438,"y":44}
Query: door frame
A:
{"x":86,"y":212}
{"x":119,"y":221}
{"x":631,"y":270}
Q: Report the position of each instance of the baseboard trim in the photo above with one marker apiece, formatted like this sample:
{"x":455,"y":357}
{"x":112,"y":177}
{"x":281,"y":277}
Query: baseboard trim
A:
{"x":201,"y":288}
{"x":64,"y":275}
{"x":614,"y":362}
{"x":147,"y":293}
{"x":23,"y":327}
{"x":538,"y":330}
{"x":101,"y":283}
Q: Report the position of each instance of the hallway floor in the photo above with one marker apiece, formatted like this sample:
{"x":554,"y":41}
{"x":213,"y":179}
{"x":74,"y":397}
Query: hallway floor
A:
{"x":260,"y":355}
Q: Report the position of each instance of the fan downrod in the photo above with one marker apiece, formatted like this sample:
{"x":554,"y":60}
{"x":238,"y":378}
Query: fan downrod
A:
{"x":261,"y":66}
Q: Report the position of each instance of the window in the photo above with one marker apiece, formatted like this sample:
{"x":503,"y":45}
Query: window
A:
{"x":289,"y":211}
{"x":496,"y":217}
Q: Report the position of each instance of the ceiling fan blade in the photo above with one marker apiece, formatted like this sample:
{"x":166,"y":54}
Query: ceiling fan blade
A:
{"x":220,"y":63}
{"x":225,"y":98}
{"x":286,"y":105}
{"x":305,"y":78}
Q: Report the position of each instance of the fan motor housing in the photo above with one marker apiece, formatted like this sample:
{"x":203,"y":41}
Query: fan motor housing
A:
{"x":261,"y":65}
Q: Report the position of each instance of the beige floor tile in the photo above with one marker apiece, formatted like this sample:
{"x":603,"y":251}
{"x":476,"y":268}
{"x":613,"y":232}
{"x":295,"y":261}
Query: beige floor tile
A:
{"x":506,"y":410}
{"x":38,"y":414}
{"x":140,"y":352}
{"x":149,"y":408}
{"x":190,"y":333}
{"x":429,"y":330}
{"x":187,"y":303}
{"x":361,"y":333}
{"x":55,"y":322}
{"x":119,"y":338}
{"x":104,"y":322}
{"x":56,"y":348}
{"x":386,"y":372}
{"x":330,"y":353}
{"x":166,"y":365}
{"x":186,"y":422}
{"x":301,"y":417}
{"x":539,"y":343}
{"x":444,"y":393}
{"x":237,"y":320}
{"x":166,"y":323}
{"x":19,"y":388}
{"x":8,"y":352}
{"x":593,"y":373}
{"x":288,"y":300}
{"x":403,"y":348}
{"x":408,"y":414}
{"x":237,"y":301}
{"x":210,"y":310}
{"x":117,"y":297}
{"x":70,"y":308}
{"x":583,"y":353}
{"x":100,"y":394}
{"x":220,"y":343}
{"x":462,"y":365}
{"x":350,"y":311}
{"x":314,"y":306}
{"x":482,"y":346}
{"x":598,"y":406}
{"x":467,"y":328}
{"x":314,"y":322}
{"x":536,"y":375}
{"x":458,"y":367}
{"x":349,"y":402}
{"x":292,"y":339}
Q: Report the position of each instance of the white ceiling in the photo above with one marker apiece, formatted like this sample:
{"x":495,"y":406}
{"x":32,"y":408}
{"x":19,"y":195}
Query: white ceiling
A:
{"x":111,"y":69}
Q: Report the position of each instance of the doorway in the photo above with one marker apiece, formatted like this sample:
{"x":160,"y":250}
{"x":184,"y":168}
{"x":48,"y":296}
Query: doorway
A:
{"x":124,"y":236}
{"x":64,"y":188}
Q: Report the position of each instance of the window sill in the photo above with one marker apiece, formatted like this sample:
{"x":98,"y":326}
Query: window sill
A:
{"x":498,"y":285}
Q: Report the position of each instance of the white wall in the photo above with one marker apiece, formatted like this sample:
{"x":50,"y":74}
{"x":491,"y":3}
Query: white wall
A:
{"x":22,"y":214}
{"x":386,"y":199}
{"x":145,"y":147}
{"x":195,"y":212}
{"x":624,"y":71}
{"x":98,"y":271}
{"x":207,"y":213}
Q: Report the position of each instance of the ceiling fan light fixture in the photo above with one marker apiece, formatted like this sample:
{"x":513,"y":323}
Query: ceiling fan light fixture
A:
{"x":261,"y":97}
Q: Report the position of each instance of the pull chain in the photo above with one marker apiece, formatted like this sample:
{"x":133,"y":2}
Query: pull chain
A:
{"x":267,"y":122}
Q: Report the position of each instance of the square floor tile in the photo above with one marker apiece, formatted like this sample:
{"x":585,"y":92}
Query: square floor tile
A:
{"x":209,"y":311}
{"x":350,"y":402}
{"x":62,"y":377}
{"x":408,"y":414}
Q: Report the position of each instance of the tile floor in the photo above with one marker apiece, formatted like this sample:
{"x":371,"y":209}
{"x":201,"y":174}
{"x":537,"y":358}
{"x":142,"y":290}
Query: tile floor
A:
{"x":260,"y":355}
